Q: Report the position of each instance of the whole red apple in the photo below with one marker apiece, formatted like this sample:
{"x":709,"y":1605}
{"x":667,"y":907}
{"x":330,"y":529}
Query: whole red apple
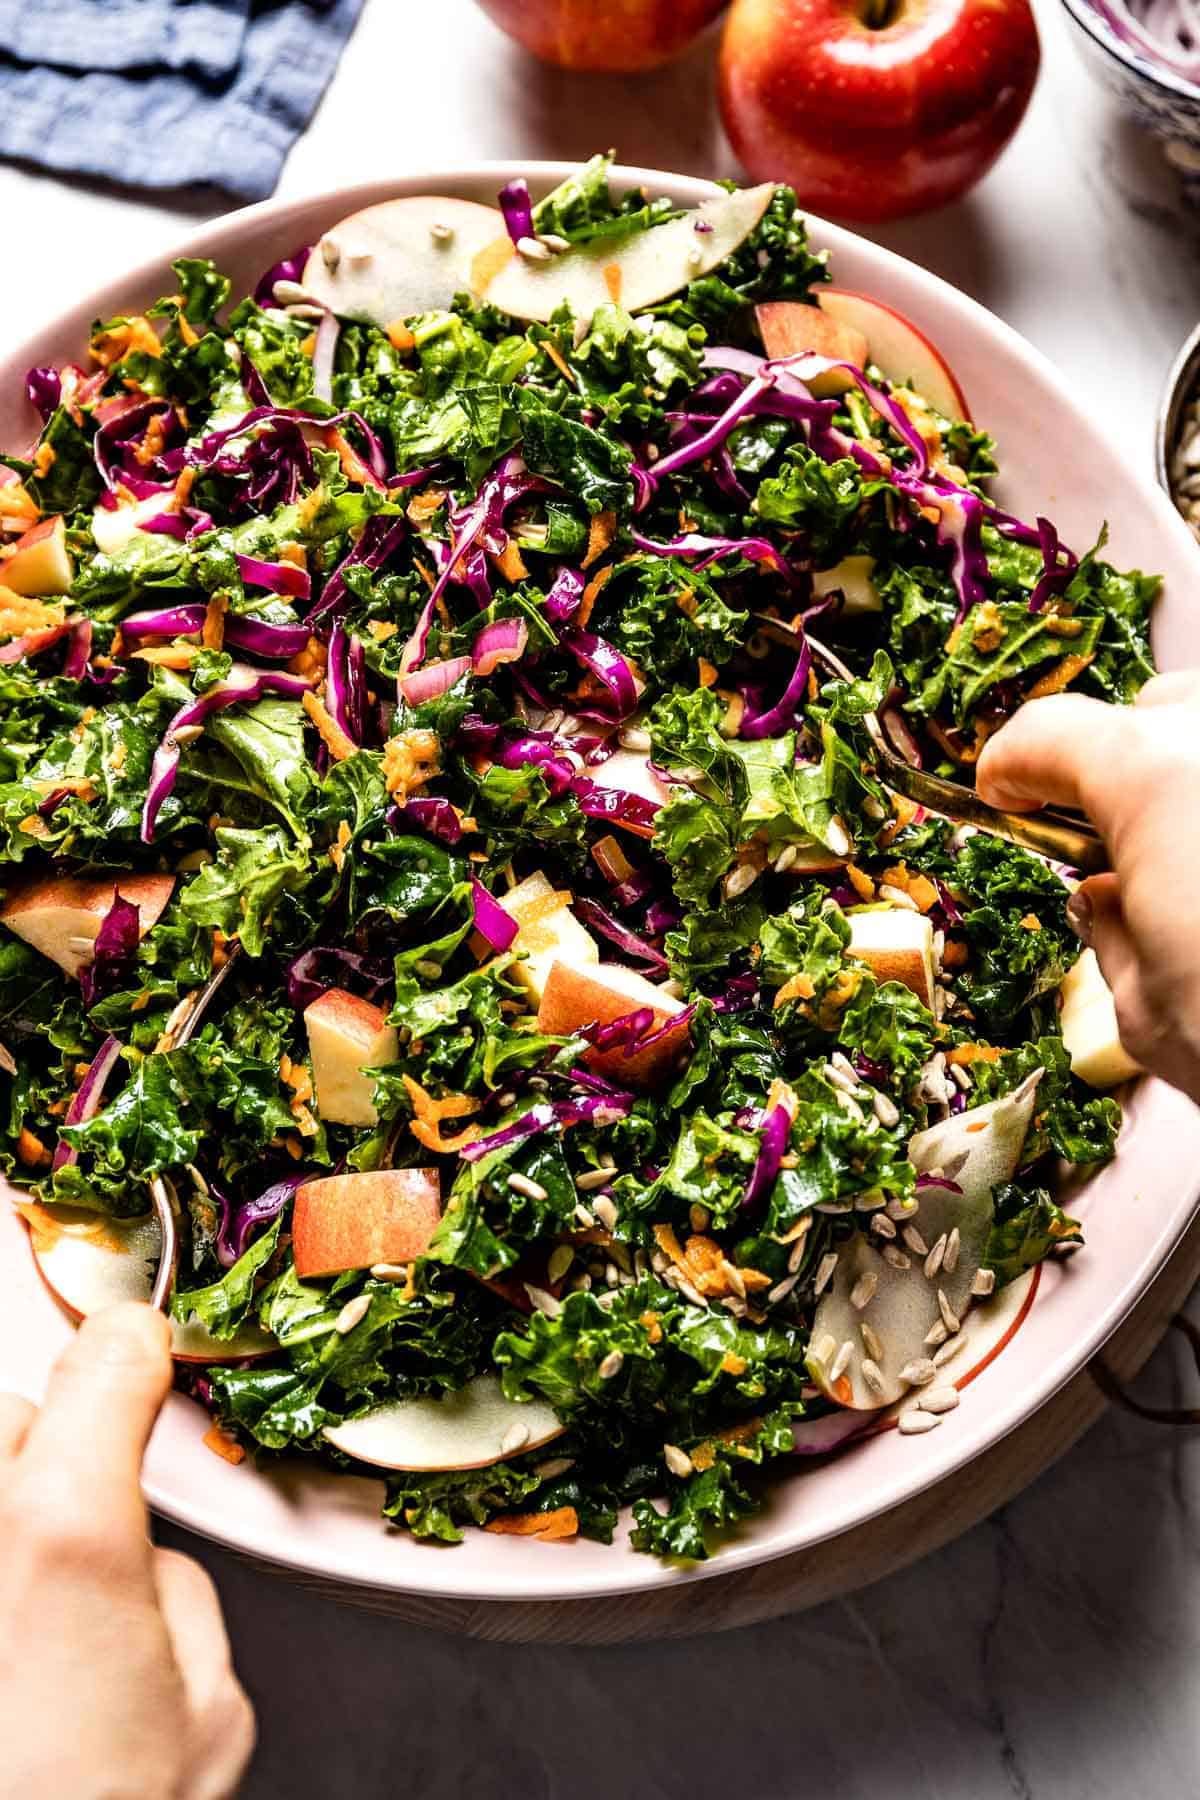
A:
{"x":875,"y":108}
{"x":620,"y":36}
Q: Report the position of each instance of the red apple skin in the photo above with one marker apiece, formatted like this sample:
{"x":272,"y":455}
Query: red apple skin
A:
{"x":871,"y":124}
{"x":346,"y":1222}
{"x":617,"y":36}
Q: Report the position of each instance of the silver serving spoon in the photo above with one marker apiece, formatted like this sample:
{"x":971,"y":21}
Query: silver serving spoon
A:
{"x":162,"y":1194}
{"x":1062,"y":836}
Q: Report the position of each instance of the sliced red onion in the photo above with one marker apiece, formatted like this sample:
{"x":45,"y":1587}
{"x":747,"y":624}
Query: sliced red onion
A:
{"x":276,"y":577}
{"x":594,"y":1109}
{"x":517,"y":208}
{"x":86,"y":1103}
{"x":324,"y":351}
{"x":243,"y":686}
{"x":491,"y":920}
{"x":261,"y":637}
{"x":590,"y":912}
{"x":434,"y":680}
{"x":606,"y":664}
{"x":776,"y":1130}
{"x":504,"y":641}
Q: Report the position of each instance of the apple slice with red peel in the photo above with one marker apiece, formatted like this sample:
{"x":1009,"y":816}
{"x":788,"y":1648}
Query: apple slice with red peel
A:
{"x":89,"y":1263}
{"x":61,"y":915}
{"x":403,"y":257}
{"x":547,"y":930}
{"x":635,"y":271}
{"x":898,"y":349}
{"x":790,"y":327}
{"x":975,"y":1151}
{"x":343,"y":1222}
{"x":464,"y":1430}
{"x":40,"y":564}
{"x":896,"y":945}
{"x":346,"y":1036}
{"x":599,"y":995}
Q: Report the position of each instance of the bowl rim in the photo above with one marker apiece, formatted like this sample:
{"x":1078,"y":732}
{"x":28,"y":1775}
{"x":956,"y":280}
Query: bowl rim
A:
{"x":1129,"y":58}
{"x":508,"y":1576}
{"x":1182,"y":380}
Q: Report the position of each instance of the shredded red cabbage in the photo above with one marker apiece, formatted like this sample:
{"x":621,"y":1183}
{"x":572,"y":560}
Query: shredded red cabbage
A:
{"x":590,"y":912}
{"x":86,"y":1103}
{"x":381,"y":535}
{"x":491,"y":920}
{"x":43,"y":390}
{"x":776,"y":1130}
{"x":276,"y":577}
{"x":517,"y":208}
{"x":593,"y":1109}
{"x":249,"y":685}
{"x":786,"y":711}
{"x":607,"y":664}
{"x":326,"y":966}
{"x":288,"y":268}
{"x":564,"y":596}
{"x":239,"y":1223}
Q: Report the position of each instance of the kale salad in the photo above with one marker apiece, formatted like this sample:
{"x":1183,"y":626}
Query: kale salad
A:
{"x":608,"y":1080}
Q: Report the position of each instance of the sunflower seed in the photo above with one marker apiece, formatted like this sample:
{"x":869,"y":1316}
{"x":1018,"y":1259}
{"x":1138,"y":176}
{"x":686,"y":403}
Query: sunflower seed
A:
{"x":937,"y":1334}
{"x":881,"y":1226}
{"x":953,"y":1245}
{"x":863,"y":1291}
{"x":893,"y":1255}
{"x":733,"y":1305}
{"x":541,"y":1301}
{"x":532,"y":1190}
{"x":961,"y":1076}
{"x":870,"y":1200}
{"x":611,"y":1365}
{"x":612,"y":1274}
{"x":658,"y":1261}
{"x":632,"y":737}
{"x":946,"y":1351}
{"x":939,"y":1400}
{"x":933,"y":1261}
{"x":825,"y":1268}
{"x":785,"y":859}
{"x":798,"y":1252}
{"x":782,"y":1289}
{"x":739,"y":880}
{"x":733,"y":1277}
{"x":984,"y":1283}
{"x":606,"y":1301}
{"x":872,"y":1374}
{"x":918,"y":1372}
{"x":851,"y":1106}
{"x":841,"y":1361}
{"x":581,"y":1283}
{"x":561,"y":1258}
{"x":824,"y":1347}
{"x":514,"y":1438}
{"x":593,"y":1178}
{"x":834,"y":1206}
{"x":886,"y":1111}
{"x":552,"y":241}
{"x":841,"y":1061}
{"x":352,"y":1314}
{"x":677,"y":1460}
{"x":606,"y":1211}
{"x":915,"y":1241}
{"x":913,"y":1422}
{"x":837,"y":837}
{"x":950,"y":1318}
{"x":897,"y":896}
{"x":692,"y":1293}
{"x":839,"y":1079}
{"x":584,"y":1217}
{"x":385,"y":1271}
{"x":198,"y":1181}
{"x":905,"y":1207}
{"x":872,"y":1342}
{"x":553,"y":1467}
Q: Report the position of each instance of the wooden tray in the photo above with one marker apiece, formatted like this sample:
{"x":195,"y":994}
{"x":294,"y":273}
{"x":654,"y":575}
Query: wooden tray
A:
{"x":840,"y":1564}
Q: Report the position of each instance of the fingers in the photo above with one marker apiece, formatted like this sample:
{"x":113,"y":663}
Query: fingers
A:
{"x":1053,"y":751}
{"x":222,"y":1718}
{"x":16,"y":1415}
{"x":104,"y":1396}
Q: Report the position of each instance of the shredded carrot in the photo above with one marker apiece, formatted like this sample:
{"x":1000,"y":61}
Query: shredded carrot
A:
{"x":187,"y":330}
{"x":1058,"y":678}
{"x":153,"y":442}
{"x":861,"y":882}
{"x":44,"y":459}
{"x":352,"y":465}
{"x":563,"y":1522}
{"x":330,"y":732}
{"x":337,"y":850}
{"x":905,"y":813}
{"x":687,"y":603}
{"x":424,"y":505}
{"x":429,"y":1113}
{"x":972,"y":1053}
{"x":309,"y":662}
{"x":955,"y":955}
{"x":1031,"y":922}
{"x":653,"y":1328}
{"x":167,"y":656}
{"x":591,"y":594}
{"x":213,"y":635}
{"x":401,"y":338}
{"x":113,"y":345}
{"x":410,"y":759}
{"x":732,"y":1364}
{"x":668,"y":1243}
{"x":799,"y":987}
{"x":602,"y":529}
{"x":612,"y":281}
{"x":510,"y":562}
{"x":222,"y":1445}
{"x":31,"y":1150}
{"x":561,"y":364}
{"x":705,"y":1455}
{"x":293,"y":553}
{"x":21,"y":613}
{"x":17,"y":508}
{"x":706,"y":672}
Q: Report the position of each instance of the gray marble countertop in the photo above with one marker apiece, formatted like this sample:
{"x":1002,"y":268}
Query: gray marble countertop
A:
{"x":1052,"y":1653}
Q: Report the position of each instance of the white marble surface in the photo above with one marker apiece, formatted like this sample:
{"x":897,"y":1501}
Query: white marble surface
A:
{"x":1052,"y":1653}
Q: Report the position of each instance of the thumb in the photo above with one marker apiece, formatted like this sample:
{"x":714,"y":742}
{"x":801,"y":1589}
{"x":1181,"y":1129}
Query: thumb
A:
{"x":105,"y":1393}
{"x":1055,"y":751}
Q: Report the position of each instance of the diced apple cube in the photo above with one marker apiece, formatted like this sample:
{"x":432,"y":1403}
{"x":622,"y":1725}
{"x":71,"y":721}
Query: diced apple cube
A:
{"x":897,"y":945}
{"x":61,"y":915}
{"x":40,"y":563}
{"x":852,"y":578}
{"x":346,"y":1036}
{"x":790,"y":327}
{"x":344,"y":1222}
{"x":548,"y":930}
{"x":575,"y":997}
{"x":1089,"y":1027}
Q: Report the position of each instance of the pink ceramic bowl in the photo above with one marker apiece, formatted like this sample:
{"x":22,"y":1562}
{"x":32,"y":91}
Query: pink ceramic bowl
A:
{"x":1056,"y":461}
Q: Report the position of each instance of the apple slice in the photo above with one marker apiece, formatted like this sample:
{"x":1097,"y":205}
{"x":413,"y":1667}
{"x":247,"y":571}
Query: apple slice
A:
{"x":897,"y":945}
{"x":632,"y":272}
{"x":853,"y":579}
{"x":40,"y":564}
{"x":61,"y":915}
{"x":790,"y":327}
{"x":976,"y":1150}
{"x":1089,"y":1027}
{"x":465,"y":1430}
{"x":346,"y":1222}
{"x":548,"y":930}
{"x":576,"y":997}
{"x":89,"y":1263}
{"x":898,"y":349}
{"x":403,"y":257}
{"x":115,"y":527}
{"x":346,"y":1036}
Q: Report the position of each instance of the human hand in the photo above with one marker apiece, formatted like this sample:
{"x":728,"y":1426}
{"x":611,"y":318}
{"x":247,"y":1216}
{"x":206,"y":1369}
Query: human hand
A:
{"x":1135,"y":772}
{"x":115,"y":1672}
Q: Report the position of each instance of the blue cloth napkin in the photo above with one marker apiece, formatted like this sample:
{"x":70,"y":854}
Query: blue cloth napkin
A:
{"x":166,"y":93}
